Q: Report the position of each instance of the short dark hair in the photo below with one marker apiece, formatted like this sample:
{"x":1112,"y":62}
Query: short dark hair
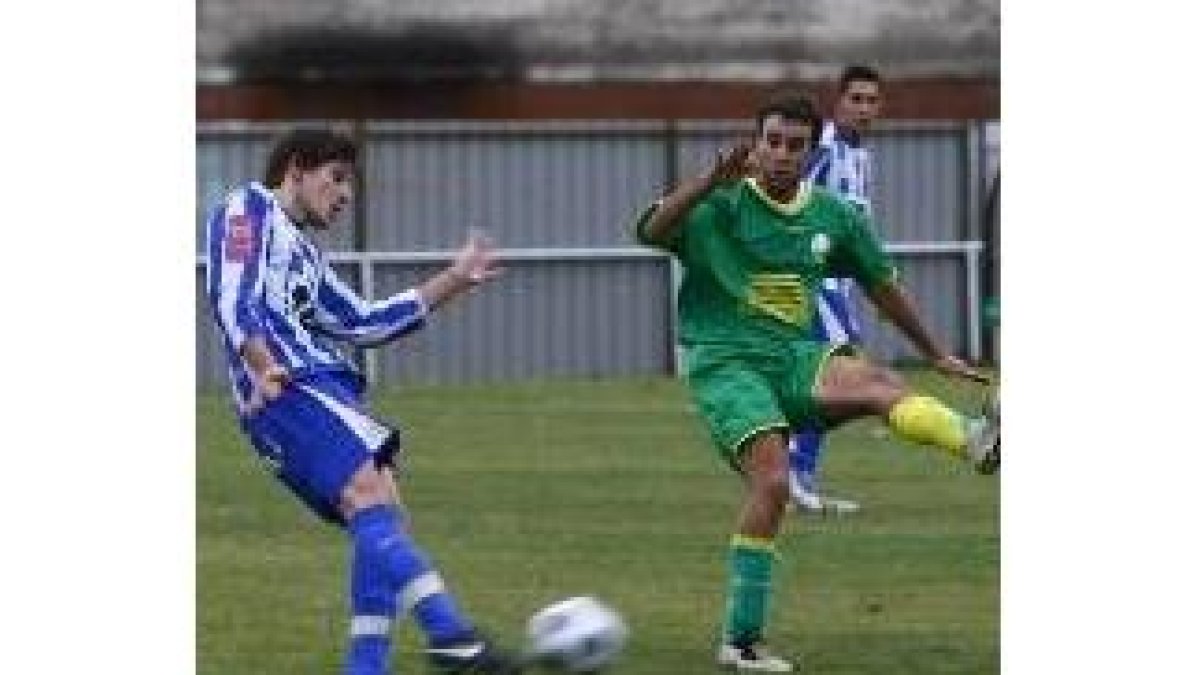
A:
{"x":791,"y":106}
{"x":308,"y":149}
{"x":857,"y":73}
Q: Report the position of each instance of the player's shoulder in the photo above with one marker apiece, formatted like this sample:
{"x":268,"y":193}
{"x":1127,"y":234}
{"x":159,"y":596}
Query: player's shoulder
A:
{"x":834,"y":207}
{"x":251,"y":200}
{"x":722,"y":200}
{"x":827,"y":199}
{"x":728,"y":193}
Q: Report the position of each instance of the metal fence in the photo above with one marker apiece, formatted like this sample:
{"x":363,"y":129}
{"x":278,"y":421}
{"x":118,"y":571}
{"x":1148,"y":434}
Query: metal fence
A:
{"x":579,"y":297}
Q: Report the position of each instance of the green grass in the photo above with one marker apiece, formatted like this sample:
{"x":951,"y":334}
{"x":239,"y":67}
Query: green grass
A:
{"x":528,"y":493}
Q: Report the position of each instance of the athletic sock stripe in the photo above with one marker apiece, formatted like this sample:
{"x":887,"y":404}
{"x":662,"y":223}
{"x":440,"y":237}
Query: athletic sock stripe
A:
{"x":757,"y":543}
{"x":367,"y":624}
{"x":424,"y":586}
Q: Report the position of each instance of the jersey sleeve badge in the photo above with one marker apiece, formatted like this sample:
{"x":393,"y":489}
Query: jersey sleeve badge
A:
{"x":239,"y":239}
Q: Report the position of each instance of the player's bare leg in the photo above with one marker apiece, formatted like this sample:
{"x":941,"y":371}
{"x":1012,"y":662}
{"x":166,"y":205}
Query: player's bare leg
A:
{"x":851,"y":387}
{"x":764,"y":465}
{"x":752,"y":554}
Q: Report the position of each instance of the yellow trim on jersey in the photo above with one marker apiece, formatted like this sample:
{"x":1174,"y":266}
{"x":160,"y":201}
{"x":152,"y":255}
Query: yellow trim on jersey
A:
{"x":803,"y":192}
{"x":738,"y":447}
{"x":756,"y":543}
{"x":781,"y":295}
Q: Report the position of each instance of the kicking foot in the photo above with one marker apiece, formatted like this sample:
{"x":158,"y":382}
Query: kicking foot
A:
{"x":983,"y":446}
{"x":755,"y":656}
{"x":472,"y":655}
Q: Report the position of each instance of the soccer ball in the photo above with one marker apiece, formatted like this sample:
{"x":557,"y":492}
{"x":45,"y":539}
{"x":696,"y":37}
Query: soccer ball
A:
{"x":576,"y":635}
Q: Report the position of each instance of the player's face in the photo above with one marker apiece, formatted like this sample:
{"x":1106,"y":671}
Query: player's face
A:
{"x":325,"y":192}
{"x":859,"y":105}
{"x":780,"y":150}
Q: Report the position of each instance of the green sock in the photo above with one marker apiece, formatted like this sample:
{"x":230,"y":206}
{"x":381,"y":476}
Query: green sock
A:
{"x":749,"y":590}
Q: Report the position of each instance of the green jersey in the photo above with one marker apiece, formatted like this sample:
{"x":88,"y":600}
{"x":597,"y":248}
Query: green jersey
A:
{"x":753,"y":267}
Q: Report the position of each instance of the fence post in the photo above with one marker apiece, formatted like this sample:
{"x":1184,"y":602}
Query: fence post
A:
{"x":366,"y":272}
{"x":974,"y":303}
{"x":675,"y":272}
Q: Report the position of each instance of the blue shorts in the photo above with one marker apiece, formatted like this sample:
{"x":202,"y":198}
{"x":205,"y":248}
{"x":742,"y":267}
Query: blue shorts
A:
{"x":316,"y":435}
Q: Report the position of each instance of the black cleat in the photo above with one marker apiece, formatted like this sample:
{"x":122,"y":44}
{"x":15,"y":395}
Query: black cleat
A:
{"x":472,"y":655}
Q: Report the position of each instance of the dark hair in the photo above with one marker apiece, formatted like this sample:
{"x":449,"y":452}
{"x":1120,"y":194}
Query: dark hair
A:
{"x":857,"y":73}
{"x":308,"y":149}
{"x":791,"y":106}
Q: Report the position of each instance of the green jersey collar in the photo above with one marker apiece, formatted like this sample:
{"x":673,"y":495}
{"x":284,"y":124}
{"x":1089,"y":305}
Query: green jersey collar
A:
{"x":785,"y":208}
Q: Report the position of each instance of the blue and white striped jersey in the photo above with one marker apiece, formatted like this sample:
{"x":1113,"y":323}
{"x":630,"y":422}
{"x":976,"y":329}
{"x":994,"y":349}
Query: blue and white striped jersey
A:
{"x":841,"y":164}
{"x":267,"y":279}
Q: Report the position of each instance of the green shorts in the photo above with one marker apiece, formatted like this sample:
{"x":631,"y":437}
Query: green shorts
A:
{"x":741,"y":391}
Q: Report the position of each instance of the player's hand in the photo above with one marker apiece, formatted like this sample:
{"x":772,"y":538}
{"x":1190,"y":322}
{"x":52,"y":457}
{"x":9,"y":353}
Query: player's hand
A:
{"x":476,"y":261}
{"x":268,"y":386}
{"x":731,"y":165}
{"x":956,"y":367}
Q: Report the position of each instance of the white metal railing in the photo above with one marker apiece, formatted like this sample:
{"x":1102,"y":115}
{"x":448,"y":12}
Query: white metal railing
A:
{"x":366,"y":261}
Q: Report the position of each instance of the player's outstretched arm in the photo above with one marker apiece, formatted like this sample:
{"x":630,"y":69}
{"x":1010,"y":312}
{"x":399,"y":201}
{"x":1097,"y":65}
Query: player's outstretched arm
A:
{"x":343,"y":315}
{"x":474,"y":264}
{"x":894,"y":302}
{"x":729,"y":166}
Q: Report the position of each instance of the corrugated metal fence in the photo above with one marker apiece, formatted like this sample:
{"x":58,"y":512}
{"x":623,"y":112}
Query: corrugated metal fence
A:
{"x":579,"y":297}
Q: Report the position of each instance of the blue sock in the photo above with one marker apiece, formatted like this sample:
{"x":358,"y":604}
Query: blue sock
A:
{"x":394,"y":561}
{"x":804,"y":451}
{"x":368,"y":654}
{"x":373,"y":605}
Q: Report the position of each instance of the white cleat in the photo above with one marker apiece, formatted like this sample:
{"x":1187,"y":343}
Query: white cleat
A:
{"x":808,"y":499}
{"x":754,"y":657}
{"x":840,"y":507}
{"x":983,"y":446}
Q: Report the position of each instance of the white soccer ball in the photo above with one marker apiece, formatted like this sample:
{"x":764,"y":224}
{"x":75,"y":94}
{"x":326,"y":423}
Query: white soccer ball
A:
{"x":577,"y":635}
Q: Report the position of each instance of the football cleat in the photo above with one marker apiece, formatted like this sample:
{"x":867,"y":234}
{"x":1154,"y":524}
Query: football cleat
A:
{"x":808,"y":499}
{"x":472,"y":655}
{"x":983,"y":446}
{"x":753,"y":657}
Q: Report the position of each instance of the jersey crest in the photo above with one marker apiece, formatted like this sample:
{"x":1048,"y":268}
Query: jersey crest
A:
{"x":239,"y":239}
{"x":820,"y":246}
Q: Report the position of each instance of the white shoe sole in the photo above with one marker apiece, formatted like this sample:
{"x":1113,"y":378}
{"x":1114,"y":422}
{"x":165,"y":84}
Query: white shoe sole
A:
{"x":728,"y":658}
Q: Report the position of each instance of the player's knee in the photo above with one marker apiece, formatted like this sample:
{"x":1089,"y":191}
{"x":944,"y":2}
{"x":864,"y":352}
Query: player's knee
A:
{"x":367,"y":487}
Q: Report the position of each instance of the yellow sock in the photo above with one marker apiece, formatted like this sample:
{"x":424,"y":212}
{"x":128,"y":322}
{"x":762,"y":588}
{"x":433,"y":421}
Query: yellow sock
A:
{"x":926,"y":420}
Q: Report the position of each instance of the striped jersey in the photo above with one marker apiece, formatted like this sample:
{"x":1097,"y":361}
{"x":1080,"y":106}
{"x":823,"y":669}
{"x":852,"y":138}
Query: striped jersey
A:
{"x":840,"y":163}
{"x":266,"y":278}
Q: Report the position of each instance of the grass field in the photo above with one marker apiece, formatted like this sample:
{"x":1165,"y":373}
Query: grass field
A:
{"x":527,"y":493}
